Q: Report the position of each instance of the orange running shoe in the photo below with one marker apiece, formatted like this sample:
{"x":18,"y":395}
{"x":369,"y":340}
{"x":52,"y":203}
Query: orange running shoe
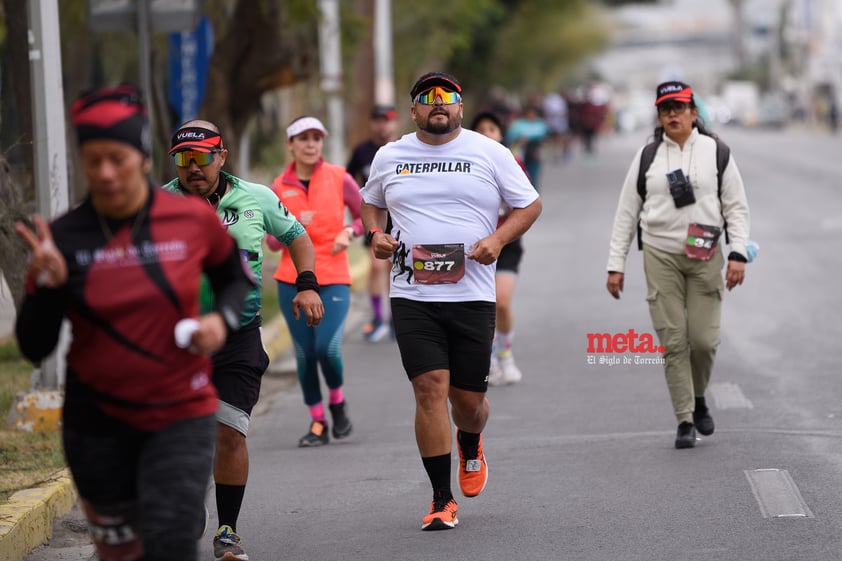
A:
{"x":442,"y":515}
{"x":473,"y":471}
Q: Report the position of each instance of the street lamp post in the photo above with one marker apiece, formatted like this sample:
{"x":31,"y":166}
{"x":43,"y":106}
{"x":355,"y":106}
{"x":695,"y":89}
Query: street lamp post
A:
{"x":330,"y":58}
{"x":384,"y":76}
{"x":50,"y":146}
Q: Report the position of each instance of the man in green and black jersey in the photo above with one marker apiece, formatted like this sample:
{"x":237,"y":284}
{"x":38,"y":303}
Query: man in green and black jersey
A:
{"x":249,"y":211}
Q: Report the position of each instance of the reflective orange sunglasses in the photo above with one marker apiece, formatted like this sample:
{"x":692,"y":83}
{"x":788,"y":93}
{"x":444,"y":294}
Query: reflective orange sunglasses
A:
{"x":429,"y":97}
{"x":182,"y":159}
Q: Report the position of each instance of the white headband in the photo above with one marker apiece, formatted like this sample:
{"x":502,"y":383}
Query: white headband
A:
{"x":305,"y":124}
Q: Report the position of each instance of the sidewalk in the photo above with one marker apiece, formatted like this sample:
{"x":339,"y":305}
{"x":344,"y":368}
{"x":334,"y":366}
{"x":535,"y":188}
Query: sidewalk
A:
{"x":27,"y":520}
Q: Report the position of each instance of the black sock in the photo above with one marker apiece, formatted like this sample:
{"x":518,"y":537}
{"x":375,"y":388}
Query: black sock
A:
{"x":701,"y":406}
{"x":469,"y":443}
{"x":229,"y":499}
{"x":438,"y":470}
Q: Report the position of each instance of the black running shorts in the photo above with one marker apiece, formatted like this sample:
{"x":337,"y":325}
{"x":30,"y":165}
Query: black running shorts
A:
{"x":239,"y":366}
{"x":510,"y":256}
{"x":454,"y":336}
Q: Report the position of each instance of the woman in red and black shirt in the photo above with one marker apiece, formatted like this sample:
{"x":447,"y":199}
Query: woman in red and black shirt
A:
{"x":124,"y":268}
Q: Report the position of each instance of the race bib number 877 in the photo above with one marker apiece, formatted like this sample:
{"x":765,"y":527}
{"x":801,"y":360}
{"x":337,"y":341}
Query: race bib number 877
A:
{"x":438,"y":263}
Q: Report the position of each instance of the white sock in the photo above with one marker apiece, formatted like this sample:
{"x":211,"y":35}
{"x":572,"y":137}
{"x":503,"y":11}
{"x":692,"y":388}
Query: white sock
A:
{"x":504,"y":342}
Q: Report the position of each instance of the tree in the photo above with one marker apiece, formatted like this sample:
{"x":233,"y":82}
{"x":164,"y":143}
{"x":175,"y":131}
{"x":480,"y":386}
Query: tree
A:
{"x":263,"y":45}
{"x":16,"y":191}
{"x":16,"y":62}
{"x":518,"y":44}
{"x":12,"y":252}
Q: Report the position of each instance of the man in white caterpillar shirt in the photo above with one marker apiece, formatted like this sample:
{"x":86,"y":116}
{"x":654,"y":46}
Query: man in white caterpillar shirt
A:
{"x":443,"y":186}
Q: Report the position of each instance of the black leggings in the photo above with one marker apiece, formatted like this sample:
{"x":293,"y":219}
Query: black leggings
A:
{"x":143,"y":492}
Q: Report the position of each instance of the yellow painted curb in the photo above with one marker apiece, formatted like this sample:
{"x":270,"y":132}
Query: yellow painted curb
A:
{"x":26,"y":521}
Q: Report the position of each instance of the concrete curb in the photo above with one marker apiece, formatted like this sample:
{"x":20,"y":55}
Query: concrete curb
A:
{"x":26,"y":521}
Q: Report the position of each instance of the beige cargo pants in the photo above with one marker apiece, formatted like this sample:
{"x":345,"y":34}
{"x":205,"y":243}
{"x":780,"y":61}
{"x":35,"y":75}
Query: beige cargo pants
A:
{"x":685,"y":303}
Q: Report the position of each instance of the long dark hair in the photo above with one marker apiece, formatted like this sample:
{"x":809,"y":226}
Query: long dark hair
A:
{"x":699,"y":123}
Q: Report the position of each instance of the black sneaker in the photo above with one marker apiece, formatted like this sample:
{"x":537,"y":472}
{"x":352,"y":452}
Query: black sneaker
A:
{"x":226,"y":546}
{"x":341,"y":423}
{"x":316,"y":437}
{"x":702,"y":418}
{"x":686,"y":435}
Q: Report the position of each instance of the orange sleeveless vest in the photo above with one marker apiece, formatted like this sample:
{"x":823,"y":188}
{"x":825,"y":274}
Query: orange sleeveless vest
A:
{"x":325,"y":199}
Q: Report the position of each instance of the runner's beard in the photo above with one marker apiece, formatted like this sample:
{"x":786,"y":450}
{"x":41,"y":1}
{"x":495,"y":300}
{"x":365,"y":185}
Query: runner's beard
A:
{"x":439,"y":127}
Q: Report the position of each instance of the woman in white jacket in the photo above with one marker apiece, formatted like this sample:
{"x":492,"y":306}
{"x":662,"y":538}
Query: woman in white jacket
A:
{"x":680,"y":215}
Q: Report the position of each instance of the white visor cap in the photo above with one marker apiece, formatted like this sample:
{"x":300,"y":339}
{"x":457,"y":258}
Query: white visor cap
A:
{"x":305,"y":124}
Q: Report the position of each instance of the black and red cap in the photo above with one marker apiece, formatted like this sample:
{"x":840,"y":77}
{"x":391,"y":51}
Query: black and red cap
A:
{"x":113,"y":113}
{"x":384,"y":112}
{"x":195,"y":138}
{"x":673,"y":91}
{"x":432,"y":79}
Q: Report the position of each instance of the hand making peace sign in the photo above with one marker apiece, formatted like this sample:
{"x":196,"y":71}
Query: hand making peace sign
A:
{"x":46,"y":263}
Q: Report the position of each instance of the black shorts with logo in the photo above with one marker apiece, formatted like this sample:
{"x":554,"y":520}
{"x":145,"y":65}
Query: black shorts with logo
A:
{"x":454,"y":336}
{"x":238,"y":367}
{"x":510,"y":256}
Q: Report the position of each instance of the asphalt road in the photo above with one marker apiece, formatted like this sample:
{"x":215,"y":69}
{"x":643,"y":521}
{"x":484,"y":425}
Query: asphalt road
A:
{"x":581,"y":457}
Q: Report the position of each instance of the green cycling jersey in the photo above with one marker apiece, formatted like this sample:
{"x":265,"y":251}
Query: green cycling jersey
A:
{"x":248,"y":211}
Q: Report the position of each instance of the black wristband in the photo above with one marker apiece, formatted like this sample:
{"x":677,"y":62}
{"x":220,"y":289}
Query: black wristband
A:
{"x":306,"y":280}
{"x":370,"y":235}
{"x":734,"y":256}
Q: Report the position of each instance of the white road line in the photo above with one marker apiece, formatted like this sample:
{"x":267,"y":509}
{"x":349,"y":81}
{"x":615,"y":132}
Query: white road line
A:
{"x":727,"y":395}
{"x":777,"y":494}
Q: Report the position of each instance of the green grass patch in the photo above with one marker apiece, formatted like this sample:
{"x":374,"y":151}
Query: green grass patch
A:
{"x":26,"y":459}
{"x":15,"y":376}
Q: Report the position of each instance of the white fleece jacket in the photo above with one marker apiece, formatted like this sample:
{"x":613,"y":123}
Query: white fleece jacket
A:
{"x":664,"y":226}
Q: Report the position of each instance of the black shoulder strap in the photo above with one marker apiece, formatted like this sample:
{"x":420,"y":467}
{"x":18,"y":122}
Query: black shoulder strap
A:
{"x":723,"y":155}
{"x":646,"y":158}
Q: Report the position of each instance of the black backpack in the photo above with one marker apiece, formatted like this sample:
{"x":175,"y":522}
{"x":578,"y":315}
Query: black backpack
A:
{"x":723,"y":154}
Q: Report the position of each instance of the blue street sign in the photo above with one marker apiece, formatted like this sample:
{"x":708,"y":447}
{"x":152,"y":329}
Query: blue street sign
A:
{"x":189,"y":57}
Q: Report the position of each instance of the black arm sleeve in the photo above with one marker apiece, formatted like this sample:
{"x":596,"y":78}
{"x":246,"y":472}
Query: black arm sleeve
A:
{"x":39,"y":322}
{"x":231,"y":285}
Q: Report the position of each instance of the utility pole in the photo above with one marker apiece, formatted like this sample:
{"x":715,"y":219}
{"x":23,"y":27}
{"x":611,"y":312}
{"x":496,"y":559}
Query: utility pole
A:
{"x":50,"y":143}
{"x":384,"y":76}
{"x":144,"y":57}
{"x":40,"y":409}
{"x":330,"y":58}
{"x":740,"y":32}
